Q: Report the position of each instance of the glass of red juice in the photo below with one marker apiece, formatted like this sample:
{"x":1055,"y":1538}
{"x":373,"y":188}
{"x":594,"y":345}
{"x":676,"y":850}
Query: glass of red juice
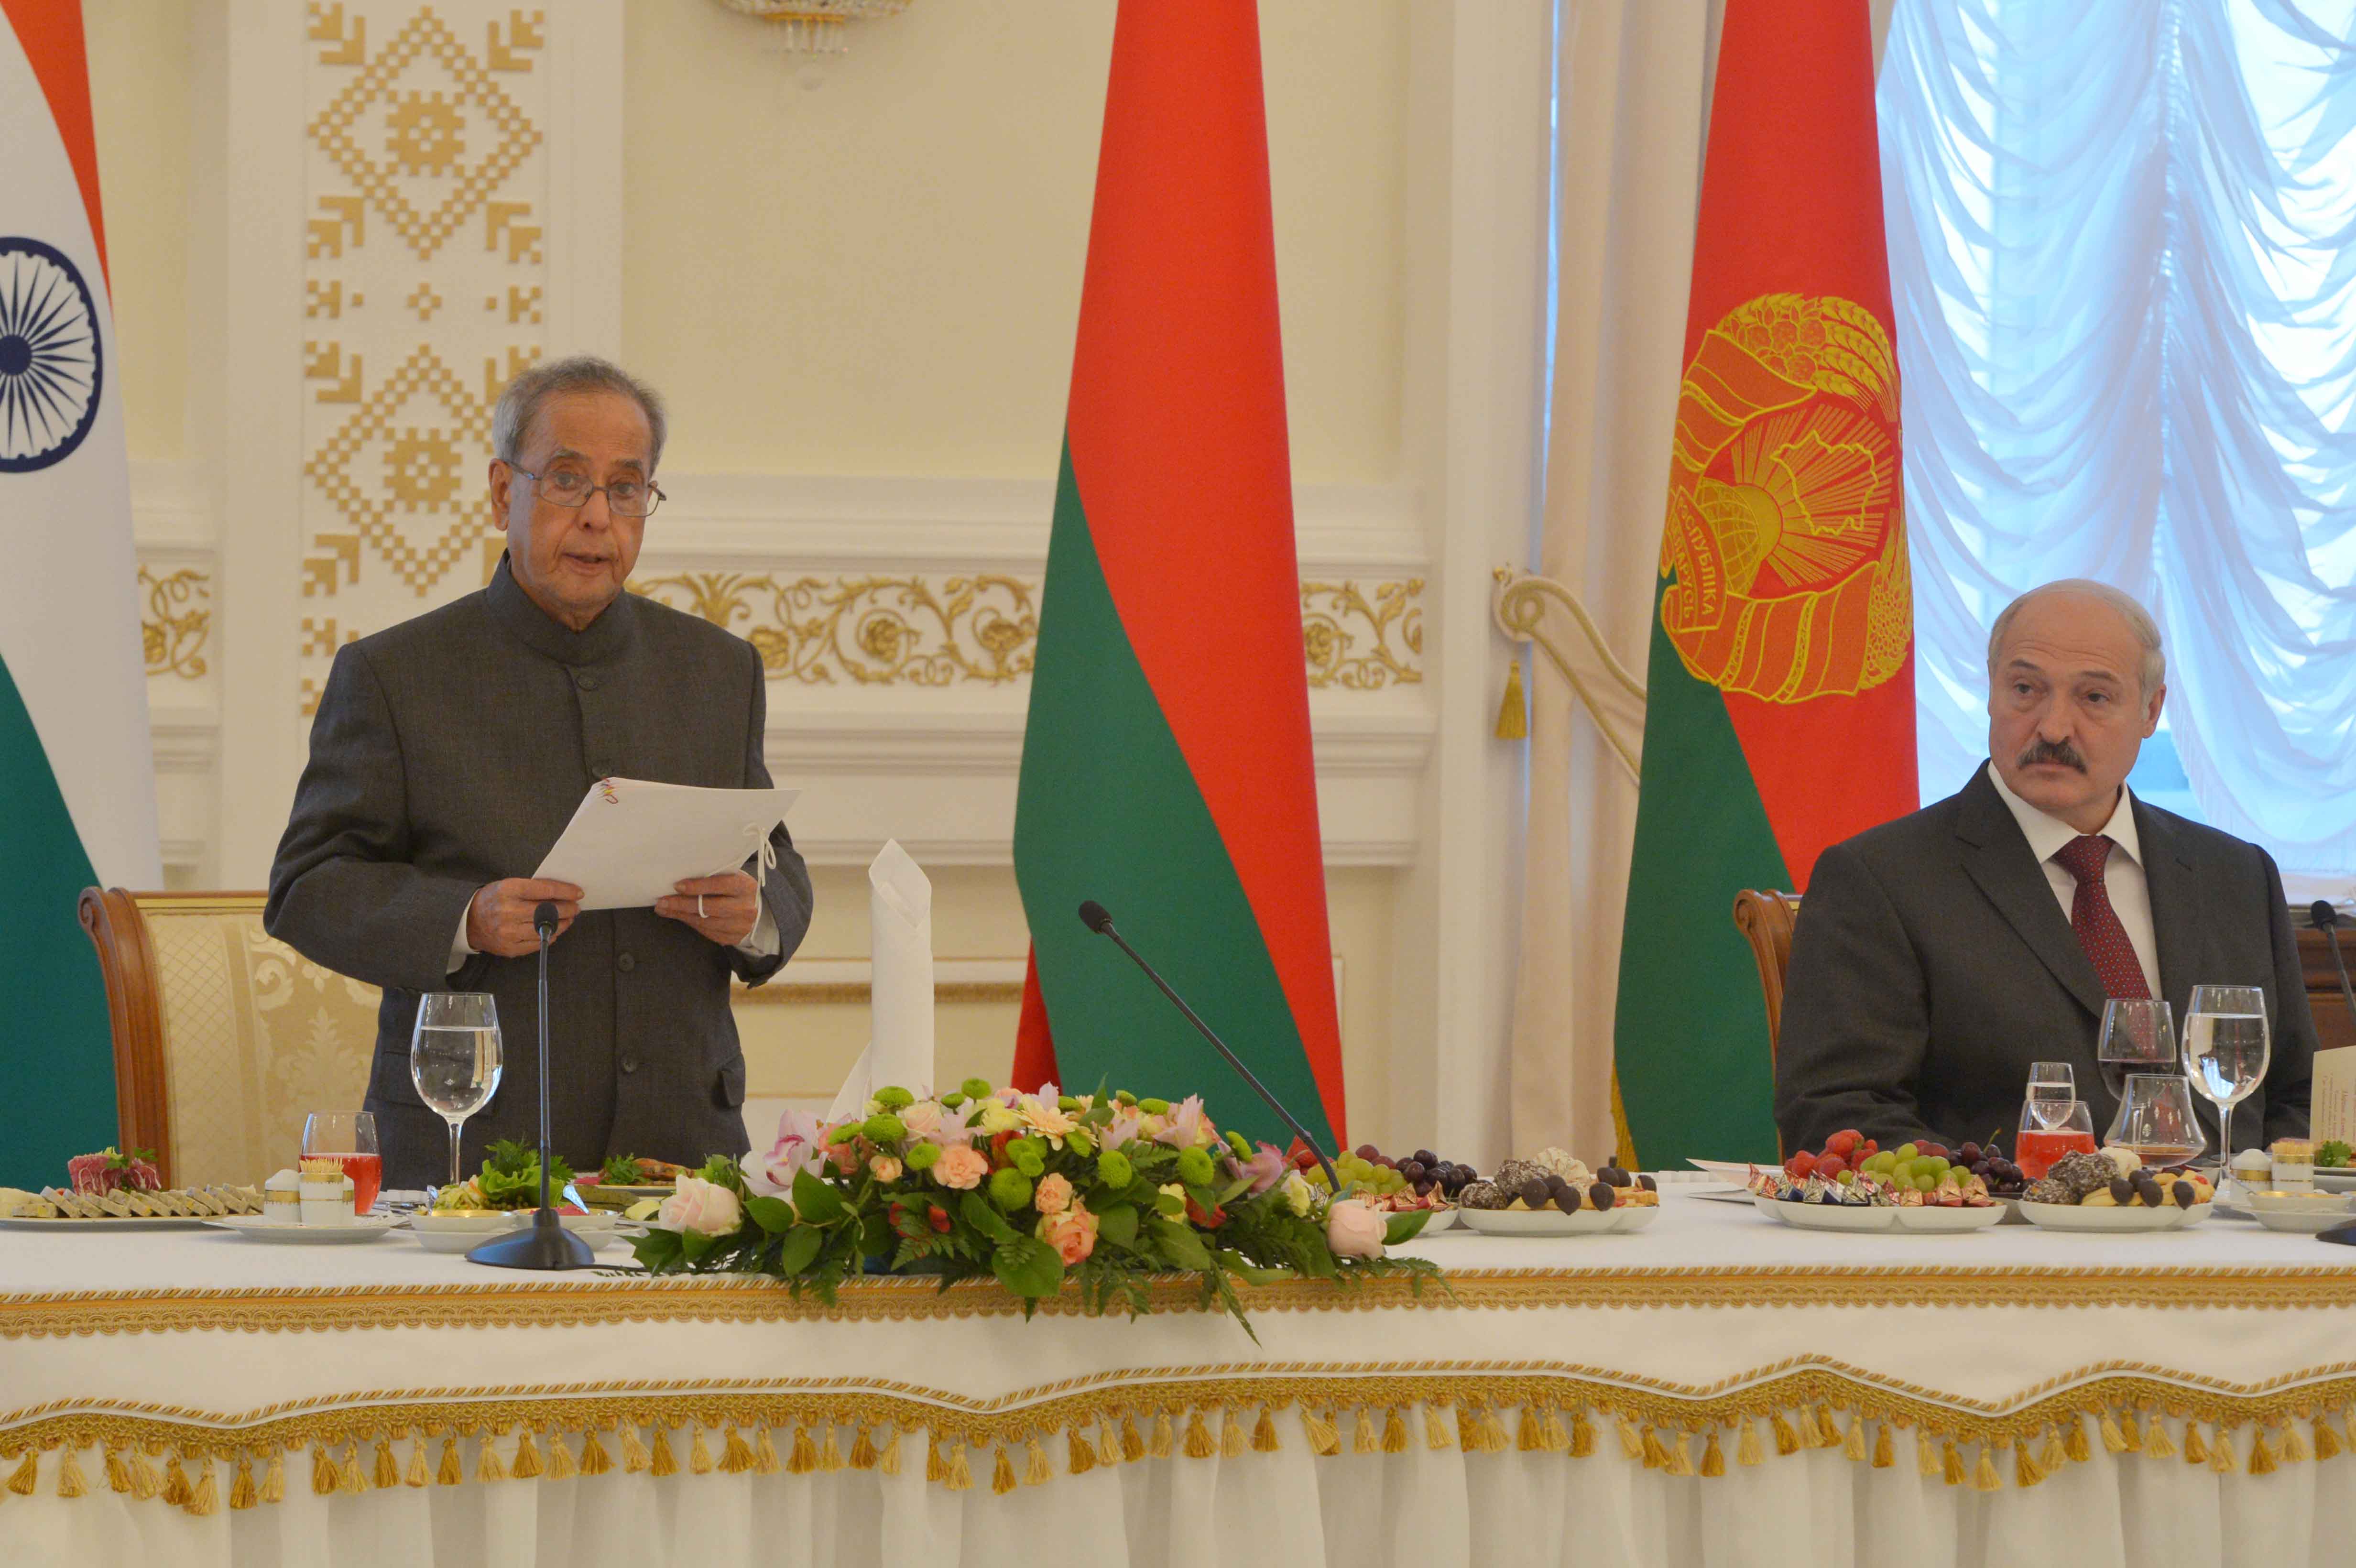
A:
{"x":2037,"y":1149}
{"x":348,"y":1137}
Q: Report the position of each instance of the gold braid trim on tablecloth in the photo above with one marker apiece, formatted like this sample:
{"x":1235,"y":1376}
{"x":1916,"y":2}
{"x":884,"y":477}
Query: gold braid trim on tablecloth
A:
{"x":737,"y":1299}
{"x":1553,"y":1409}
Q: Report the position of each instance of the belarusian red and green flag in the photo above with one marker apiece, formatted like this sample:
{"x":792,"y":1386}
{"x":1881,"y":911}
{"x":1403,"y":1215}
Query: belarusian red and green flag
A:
{"x":1166,"y":766}
{"x":76,"y":780}
{"x":1781,"y":711}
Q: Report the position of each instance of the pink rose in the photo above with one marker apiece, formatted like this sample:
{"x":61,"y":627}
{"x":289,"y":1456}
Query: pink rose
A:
{"x":705,"y":1206}
{"x":1266,"y":1167}
{"x":961,"y":1167}
{"x":1053,"y":1193}
{"x":922,"y":1119}
{"x":1073,"y":1232}
{"x":1355,"y":1231}
{"x":883,"y":1168}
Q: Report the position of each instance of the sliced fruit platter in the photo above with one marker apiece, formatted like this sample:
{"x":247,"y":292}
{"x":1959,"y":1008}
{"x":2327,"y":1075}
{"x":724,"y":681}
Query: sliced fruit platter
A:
{"x":2112,"y":1190}
{"x":1853,"y":1184}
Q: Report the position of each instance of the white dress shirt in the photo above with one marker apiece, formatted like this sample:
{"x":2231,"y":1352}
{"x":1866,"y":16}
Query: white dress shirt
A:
{"x":2123,"y":876}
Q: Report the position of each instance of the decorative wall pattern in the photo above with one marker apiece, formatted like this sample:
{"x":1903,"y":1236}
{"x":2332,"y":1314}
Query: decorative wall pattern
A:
{"x":915,"y":630}
{"x":426,"y":186}
{"x":176,"y":620}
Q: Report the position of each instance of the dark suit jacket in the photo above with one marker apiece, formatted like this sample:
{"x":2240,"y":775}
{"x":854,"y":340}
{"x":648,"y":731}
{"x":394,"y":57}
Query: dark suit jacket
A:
{"x":450,"y":752}
{"x":1931,"y":964}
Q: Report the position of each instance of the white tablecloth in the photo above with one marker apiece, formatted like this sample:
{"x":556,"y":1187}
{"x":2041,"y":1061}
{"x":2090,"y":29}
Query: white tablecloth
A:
{"x":1718,"y":1389}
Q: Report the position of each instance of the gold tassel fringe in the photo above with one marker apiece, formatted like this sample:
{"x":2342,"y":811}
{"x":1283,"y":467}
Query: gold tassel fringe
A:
{"x":1952,"y":1464}
{"x":1985,"y":1477}
{"x":388,"y":1468}
{"x":1436,"y":1435}
{"x":561,"y":1466}
{"x":1079,"y":1454}
{"x":240,"y":1492}
{"x":2294,"y":1444}
{"x":1002,"y":1479}
{"x":767,"y":1463}
{"x":1855,"y":1445}
{"x":1394,"y":1433}
{"x":1513,"y":712}
{"x":1713,"y":1458}
{"x":205,"y":1500}
{"x":862,"y":1451}
{"x":417,"y":1475}
{"x":2156,"y":1443}
{"x":2196,"y":1452}
{"x":2222,"y":1458}
{"x":1264,"y":1439}
{"x":594,"y":1460}
{"x":635,"y":1456}
{"x":72,"y":1482}
{"x":1201,"y":1444}
{"x":274,"y":1480}
{"x":527,"y":1465}
{"x":146,"y":1480}
{"x":2262,"y":1455}
{"x":2073,"y":1442}
{"x":1165,"y":1437}
{"x":887,"y":1457}
{"x":118,"y":1473}
{"x":1036,"y":1471}
{"x":661,"y":1463}
{"x":488,"y":1466}
{"x":355,"y":1481}
{"x":324,"y":1479}
{"x":829,"y":1456}
{"x":800,"y":1459}
{"x":736,"y":1455}
{"x":1681,"y":1456}
{"x":2327,"y":1441}
{"x":1749,"y":1449}
{"x":453,"y":1470}
{"x":1582,"y":1435}
{"x":1786,"y":1440}
{"x":960,"y":1474}
{"x":1232,"y":1441}
{"x":2026,"y":1470}
{"x":699,"y":1454}
{"x":1132,"y":1443}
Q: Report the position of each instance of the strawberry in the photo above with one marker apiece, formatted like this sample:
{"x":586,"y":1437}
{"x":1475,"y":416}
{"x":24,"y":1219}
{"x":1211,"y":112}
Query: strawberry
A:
{"x":1830,"y":1167}
{"x":1801,"y":1164}
{"x":1843,"y":1142}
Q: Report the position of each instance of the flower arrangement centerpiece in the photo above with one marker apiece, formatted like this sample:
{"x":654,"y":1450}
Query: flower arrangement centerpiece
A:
{"x":1036,"y":1190}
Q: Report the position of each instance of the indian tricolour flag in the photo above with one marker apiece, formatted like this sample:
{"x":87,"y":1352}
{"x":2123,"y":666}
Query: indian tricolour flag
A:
{"x":76,"y":780}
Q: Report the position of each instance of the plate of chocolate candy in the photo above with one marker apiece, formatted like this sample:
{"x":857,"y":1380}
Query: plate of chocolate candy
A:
{"x":2112,"y":1190}
{"x":1552,"y":1194}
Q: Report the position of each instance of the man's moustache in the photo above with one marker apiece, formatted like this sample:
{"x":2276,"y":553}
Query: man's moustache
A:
{"x":2060,"y":751}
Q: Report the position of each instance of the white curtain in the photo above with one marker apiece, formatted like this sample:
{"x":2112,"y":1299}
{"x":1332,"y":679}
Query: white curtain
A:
{"x":2120,"y":248}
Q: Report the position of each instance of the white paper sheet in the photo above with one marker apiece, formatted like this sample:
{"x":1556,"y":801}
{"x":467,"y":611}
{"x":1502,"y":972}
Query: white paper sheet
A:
{"x":900,"y":984}
{"x":630,"y":840}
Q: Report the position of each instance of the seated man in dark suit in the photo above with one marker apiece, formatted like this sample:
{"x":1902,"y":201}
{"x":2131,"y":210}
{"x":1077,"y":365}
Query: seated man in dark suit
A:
{"x":1938,"y":955}
{"x":448,"y":754}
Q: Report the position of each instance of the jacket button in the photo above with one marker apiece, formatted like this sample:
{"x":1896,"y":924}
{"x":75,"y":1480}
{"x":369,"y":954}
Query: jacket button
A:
{"x":586,"y":681}
{"x":630,"y":1065}
{"x":625,"y":962}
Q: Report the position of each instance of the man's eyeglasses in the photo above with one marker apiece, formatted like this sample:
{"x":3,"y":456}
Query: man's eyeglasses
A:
{"x":570,"y":487}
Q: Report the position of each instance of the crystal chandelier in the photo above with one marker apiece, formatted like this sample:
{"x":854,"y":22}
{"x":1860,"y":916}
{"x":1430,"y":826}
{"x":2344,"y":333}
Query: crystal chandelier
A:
{"x":813,"y":26}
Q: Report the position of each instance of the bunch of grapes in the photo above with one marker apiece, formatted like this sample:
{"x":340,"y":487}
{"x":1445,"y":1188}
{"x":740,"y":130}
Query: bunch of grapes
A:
{"x":1377,"y":1172}
{"x":1987,"y":1162}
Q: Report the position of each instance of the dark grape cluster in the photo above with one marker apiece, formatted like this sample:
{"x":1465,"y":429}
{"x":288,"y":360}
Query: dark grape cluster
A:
{"x":1987,"y":1162}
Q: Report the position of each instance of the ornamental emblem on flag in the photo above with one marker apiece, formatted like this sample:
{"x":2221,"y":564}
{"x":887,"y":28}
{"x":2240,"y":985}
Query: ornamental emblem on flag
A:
{"x":49,"y":356}
{"x":1786,"y":547}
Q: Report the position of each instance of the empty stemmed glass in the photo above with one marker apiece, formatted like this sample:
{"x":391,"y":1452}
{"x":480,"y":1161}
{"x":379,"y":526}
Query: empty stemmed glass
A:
{"x":454,"y":1059}
{"x":2138,"y":1036}
{"x":2227,"y":1045}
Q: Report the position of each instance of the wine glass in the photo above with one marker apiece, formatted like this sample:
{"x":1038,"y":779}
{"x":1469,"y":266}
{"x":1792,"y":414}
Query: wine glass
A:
{"x":2138,"y":1036}
{"x":2155,"y":1120}
{"x":348,"y":1137}
{"x":2226,"y":1047}
{"x":454,"y":1058}
{"x":2052,"y":1088}
{"x":2038,"y":1148}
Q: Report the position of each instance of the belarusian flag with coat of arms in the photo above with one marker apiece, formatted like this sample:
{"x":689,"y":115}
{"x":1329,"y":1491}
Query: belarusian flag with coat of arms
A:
{"x":76,"y":780}
{"x":1780,"y":711}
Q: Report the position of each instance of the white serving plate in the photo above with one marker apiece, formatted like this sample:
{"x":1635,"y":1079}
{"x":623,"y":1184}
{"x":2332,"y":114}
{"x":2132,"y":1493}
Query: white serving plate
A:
{"x":459,"y":1232}
{"x":2078,"y":1218}
{"x":1933,"y":1220}
{"x":126,"y":1222}
{"x":256,"y":1228}
{"x":1541,"y":1222}
{"x":1440,"y":1220}
{"x":1827,"y":1216}
{"x":2340,"y":1178}
{"x":1632,"y":1219}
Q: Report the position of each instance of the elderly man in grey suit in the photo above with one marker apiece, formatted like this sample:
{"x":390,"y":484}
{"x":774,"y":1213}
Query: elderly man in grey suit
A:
{"x":1936,"y":956}
{"x":449,"y":752}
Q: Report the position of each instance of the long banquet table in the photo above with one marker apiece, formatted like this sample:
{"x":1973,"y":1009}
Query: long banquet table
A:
{"x":1718,"y":1389}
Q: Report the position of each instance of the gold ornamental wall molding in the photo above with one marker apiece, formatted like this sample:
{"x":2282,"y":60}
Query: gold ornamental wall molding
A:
{"x":982,"y":628}
{"x":177,"y":621}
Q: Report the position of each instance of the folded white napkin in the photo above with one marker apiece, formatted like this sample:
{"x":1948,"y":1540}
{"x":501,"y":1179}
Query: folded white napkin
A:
{"x":900,"y":984}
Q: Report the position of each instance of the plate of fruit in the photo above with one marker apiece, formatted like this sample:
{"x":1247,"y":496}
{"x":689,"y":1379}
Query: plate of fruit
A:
{"x":1422,"y":1183}
{"x":1854,"y":1184}
{"x":2114,"y":1190}
{"x":2335,"y":1167}
{"x":1553,"y":1194}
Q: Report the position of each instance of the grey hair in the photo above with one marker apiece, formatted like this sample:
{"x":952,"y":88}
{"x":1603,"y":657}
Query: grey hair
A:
{"x":2154,"y":670}
{"x":520,"y":403}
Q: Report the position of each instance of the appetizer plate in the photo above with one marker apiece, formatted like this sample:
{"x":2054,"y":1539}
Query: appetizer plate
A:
{"x":1542,"y":1221}
{"x":2079,"y":1217}
{"x":114,"y":1222}
{"x":1827,"y":1216}
{"x":2339,"y":1179}
{"x":598,"y":1195}
{"x":1934,"y":1220}
{"x":1634,"y":1220}
{"x":2298,"y":1213}
{"x":458,"y":1232}
{"x":256,"y":1228}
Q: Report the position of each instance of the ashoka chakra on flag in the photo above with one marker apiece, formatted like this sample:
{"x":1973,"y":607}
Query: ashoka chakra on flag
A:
{"x":49,"y":356}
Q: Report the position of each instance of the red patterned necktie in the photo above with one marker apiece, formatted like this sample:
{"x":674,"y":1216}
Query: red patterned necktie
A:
{"x":2096,"y":921}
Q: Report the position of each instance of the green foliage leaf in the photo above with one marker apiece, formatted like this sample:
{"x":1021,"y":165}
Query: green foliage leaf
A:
{"x":658,"y":1251}
{"x":1028,"y":1266}
{"x":815,"y":1201}
{"x":982,"y":1217}
{"x":774,"y":1215}
{"x":1178,"y":1243}
{"x":799,"y":1250}
{"x":695,"y":1244}
{"x":1118,"y":1224}
{"x":1406,"y":1227}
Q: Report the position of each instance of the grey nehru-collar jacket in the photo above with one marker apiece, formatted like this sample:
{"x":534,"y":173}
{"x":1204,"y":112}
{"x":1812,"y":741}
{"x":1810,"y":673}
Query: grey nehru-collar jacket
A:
{"x":449,"y":751}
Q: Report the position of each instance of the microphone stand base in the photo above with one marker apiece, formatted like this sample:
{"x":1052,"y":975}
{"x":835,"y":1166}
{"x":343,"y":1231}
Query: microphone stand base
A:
{"x":546,"y":1245}
{"x":2345,"y":1235}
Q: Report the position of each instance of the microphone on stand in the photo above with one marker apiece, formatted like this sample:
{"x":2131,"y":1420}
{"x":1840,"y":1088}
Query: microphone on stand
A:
{"x":1099,"y":919}
{"x":547,"y":1244}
